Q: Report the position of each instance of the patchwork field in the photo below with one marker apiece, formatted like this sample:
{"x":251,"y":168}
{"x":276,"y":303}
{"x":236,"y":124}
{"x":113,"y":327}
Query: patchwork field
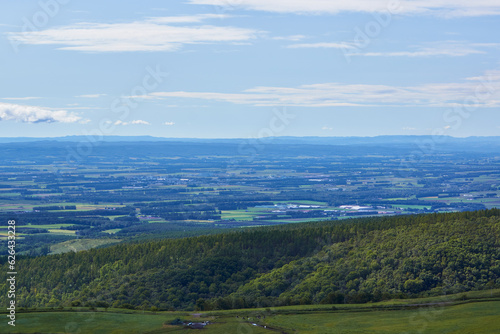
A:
{"x":80,"y":245}
{"x":187,"y":188}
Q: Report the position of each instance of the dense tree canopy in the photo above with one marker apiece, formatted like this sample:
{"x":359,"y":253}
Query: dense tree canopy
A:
{"x":331,"y":262}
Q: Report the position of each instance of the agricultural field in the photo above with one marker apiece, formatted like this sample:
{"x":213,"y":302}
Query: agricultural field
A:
{"x":77,"y":245}
{"x":142,"y":190}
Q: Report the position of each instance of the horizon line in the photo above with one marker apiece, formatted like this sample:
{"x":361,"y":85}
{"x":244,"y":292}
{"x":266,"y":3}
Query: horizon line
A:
{"x":267,"y":137}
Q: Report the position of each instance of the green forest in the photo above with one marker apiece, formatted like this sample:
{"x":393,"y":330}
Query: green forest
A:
{"x":353,"y":261}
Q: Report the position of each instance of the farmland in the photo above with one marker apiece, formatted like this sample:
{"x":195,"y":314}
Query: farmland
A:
{"x":130,"y":190}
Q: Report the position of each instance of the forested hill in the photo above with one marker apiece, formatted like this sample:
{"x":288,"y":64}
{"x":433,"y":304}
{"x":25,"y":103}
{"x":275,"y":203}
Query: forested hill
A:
{"x":333,"y":262}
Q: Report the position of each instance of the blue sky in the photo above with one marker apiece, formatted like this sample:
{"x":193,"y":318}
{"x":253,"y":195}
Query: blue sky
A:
{"x":249,"y":68}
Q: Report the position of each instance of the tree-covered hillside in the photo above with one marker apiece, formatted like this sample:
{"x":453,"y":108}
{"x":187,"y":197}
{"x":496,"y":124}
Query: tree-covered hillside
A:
{"x":334,"y":262}
{"x":430,"y":255}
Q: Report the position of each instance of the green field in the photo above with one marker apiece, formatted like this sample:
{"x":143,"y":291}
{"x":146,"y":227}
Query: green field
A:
{"x":48,"y":226}
{"x":421,"y":207}
{"x":237,"y":215}
{"x":108,"y":322}
{"x":62,"y":232}
{"x":86,"y":322}
{"x":303,"y":202}
{"x":79,"y":245}
{"x":474,"y":317}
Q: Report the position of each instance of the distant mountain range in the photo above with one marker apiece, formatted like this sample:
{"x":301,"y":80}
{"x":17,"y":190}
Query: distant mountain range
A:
{"x":377,"y":140}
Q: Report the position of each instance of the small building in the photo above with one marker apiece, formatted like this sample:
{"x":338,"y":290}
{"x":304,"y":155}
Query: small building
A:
{"x":197,"y":325}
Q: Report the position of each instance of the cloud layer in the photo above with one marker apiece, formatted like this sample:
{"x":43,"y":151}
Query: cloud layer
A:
{"x":21,"y":98}
{"x":154,"y":34}
{"x":91,"y":96}
{"x":439,"y":7}
{"x":134,"y":122}
{"x":483,"y":91}
{"x":434,"y":49}
{"x":322,"y":45}
{"x":33,"y":114}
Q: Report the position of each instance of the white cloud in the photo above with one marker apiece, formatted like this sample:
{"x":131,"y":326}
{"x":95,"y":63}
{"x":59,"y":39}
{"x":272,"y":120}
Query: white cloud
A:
{"x":443,"y":48}
{"x":169,"y":123}
{"x":341,"y":45}
{"x":188,"y":18}
{"x":326,"y":128}
{"x":34,"y":114}
{"x":134,"y":122}
{"x":140,"y":121}
{"x":91,"y":96}
{"x":290,"y":38}
{"x":408,"y":128}
{"x":85,"y":108}
{"x":485,"y":87}
{"x":153,"y":34}
{"x":439,"y":7}
{"x":21,"y":98}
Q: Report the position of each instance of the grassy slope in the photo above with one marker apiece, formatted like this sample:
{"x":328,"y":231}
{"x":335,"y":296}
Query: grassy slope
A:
{"x":482,"y":317}
{"x":85,"y":322}
{"x":119,"y":323}
{"x":474,"y":317}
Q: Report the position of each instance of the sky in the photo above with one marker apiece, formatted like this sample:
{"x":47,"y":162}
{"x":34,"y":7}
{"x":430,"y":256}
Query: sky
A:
{"x":249,"y":68}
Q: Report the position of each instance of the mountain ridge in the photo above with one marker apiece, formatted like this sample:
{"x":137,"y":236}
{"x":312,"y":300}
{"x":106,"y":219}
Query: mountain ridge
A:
{"x":280,"y":139}
{"x":361,"y":260}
